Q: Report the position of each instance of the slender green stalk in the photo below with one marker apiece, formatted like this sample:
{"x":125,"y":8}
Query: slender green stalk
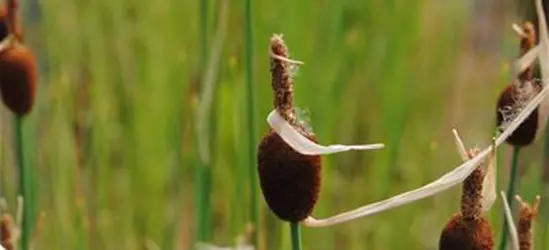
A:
{"x":250,"y":111}
{"x":201,"y":195}
{"x":510,"y":193}
{"x":544,"y":210}
{"x":296,"y":236}
{"x":23,"y":183}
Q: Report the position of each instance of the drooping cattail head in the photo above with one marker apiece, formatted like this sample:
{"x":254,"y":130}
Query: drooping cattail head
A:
{"x":469,"y":229}
{"x":518,"y":93}
{"x":526,"y":217}
{"x":18,"y":77}
{"x":289,"y":180}
{"x":6,"y":232}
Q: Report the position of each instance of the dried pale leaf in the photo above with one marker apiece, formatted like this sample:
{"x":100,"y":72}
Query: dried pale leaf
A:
{"x":460,"y":146}
{"x":489,"y":195}
{"x":489,"y":182}
{"x":518,"y":29}
{"x":305,"y":146}
{"x":448,"y":180}
{"x":526,"y":60}
{"x":543,"y":42}
{"x":510,"y":222}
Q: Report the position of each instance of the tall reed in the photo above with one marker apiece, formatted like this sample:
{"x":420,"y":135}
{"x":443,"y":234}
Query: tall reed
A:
{"x":250,"y":120}
{"x":202,"y":169}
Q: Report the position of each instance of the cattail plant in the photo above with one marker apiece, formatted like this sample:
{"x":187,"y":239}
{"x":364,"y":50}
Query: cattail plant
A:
{"x":525,"y":229}
{"x":519,"y":92}
{"x":290,"y":168}
{"x":469,"y":229}
{"x":18,"y":69}
{"x":18,"y":77}
{"x":521,"y":236}
{"x":290,"y":179}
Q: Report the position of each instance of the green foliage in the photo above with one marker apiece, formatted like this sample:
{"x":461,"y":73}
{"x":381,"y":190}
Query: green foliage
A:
{"x":126,"y":74}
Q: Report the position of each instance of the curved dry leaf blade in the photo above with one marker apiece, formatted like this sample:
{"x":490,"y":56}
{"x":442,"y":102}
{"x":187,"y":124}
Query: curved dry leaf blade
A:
{"x":489,"y":185}
{"x":526,"y":60}
{"x":489,"y":182}
{"x":510,"y":222}
{"x":448,"y":180}
{"x":543,"y":42}
{"x":518,"y":29}
{"x":305,"y":146}
{"x":460,"y":146}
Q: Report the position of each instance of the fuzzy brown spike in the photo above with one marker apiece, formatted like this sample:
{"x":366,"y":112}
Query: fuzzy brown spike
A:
{"x":527,"y":42}
{"x":6,"y":232}
{"x":471,"y":194}
{"x":468,"y":230}
{"x":524,"y":228}
{"x":281,"y":79}
{"x":290,"y":181}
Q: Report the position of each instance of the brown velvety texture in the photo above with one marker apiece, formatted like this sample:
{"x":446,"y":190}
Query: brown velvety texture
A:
{"x":6,"y":231}
{"x":468,"y":230}
{"x":460,"y":234}
{"x":526,"y":132}
{"x":525,"y":225}
{"x":18,"y":76}
{"x":290,"y":181}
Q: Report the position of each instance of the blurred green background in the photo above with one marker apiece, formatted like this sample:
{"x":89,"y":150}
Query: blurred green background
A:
{"x":115,"y":140}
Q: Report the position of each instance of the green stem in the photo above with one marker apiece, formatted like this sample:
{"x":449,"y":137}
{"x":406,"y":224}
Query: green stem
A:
{"x":510,"y":192}
{"x":544,"y":210}
{"x":296,"y":235}
{"x":23,"y":183}
{"x":201,"y":195}
{"x":250,"y":121}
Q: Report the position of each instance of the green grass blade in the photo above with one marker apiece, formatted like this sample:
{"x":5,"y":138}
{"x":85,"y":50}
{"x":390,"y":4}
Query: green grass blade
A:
{"x":250,"y":114}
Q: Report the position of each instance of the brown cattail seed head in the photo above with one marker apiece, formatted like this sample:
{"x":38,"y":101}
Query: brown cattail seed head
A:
{"x":468,"y":230}
{"x":524,"y":228}
{"x":290,"y":181}
{"x":515,"y":96}
{"x":510,"y":103}
{"x":18,"y":76}
{"x":281,"y":80}
{"x":6,"y":232}
{"x":460,"y":234}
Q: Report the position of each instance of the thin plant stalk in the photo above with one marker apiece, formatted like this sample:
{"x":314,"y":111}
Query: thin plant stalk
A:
{"x":250,"y":114}
{"x":23,"y":182}
{"x":201,"y":195}
{"x":296,"y":235}
{"x":510,"y":193}
{"x":544,"y":212}
{"x":204,"y":122}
